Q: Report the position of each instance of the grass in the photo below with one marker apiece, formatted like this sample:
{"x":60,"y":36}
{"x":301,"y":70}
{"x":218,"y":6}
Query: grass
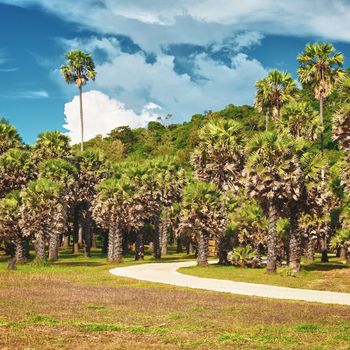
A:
{"x":76,"y":303}
{"x":332,"y":276}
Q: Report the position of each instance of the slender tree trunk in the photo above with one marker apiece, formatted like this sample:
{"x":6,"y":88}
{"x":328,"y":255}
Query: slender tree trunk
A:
{"x":164,"y":231}
{"x":76,"y":230}
{"x":344,"y":252}
{"x":20,"y":253}
{"x":310,"y":250}
{"x":322,"y":134}
{"x":272,"y":238}
{"x":139,"y":246}
{"x":53,"y":247}
{"x":324,"y":248}
{"x":126,"y":247}
{"x":221,"y":252}
{"x":40,"y":257}
{"x":86,"y":228}
{"x":81,"y":118}
{"x":65,"y":242}
{"x":294,"y":241}
{"x":203,"y":250}
{"x":94,"y":240}
{"x":118,"y":253}
{"x":111,"y":242}
{"x":156,"y":244}
{"x":179,"y":245}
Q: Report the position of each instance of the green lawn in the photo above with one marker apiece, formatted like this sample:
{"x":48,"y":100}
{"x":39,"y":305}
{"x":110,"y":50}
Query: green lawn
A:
{"x":333,"y":276}
{"x":76,"y":304}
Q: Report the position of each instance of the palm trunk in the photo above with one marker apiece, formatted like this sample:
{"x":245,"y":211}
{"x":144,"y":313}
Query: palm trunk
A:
{"x":344,"y":252}
{"x":294,"y":241}
{"x":272,"y":239}
{"x":156,"y":244}
{"x":118,"y":253}
{"x":53,"y":247}
{"x":310,"y":250}
{"x":139,"y":246}
{"x":94,"y":240}
{"x":221,"y":252}
{"x":76,"y":230}
{"x":40,"y":257}
{"x":324,"y":248}
{"x":179,"y":245}
{"x":86,"y":228}
{"x":164,"y":231}
{"x":65,"y":242}
{"x":111,"y":242}
{"x":322,"y":134}
{"x":20,"y":253}
{"x":81,"y":118}
{"x":203,"y":250}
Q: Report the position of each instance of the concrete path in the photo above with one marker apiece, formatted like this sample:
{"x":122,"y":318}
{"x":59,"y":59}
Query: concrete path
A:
{"x":167,"y":273}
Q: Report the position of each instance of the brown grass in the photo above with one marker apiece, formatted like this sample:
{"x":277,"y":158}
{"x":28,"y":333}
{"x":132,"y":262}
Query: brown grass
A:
{"x":82,"y":306}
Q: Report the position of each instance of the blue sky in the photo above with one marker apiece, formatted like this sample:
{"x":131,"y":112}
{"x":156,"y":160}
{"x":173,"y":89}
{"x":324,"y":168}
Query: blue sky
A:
{"x":153,"y":57}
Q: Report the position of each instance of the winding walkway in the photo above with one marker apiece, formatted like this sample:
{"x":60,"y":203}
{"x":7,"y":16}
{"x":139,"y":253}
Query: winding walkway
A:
{"x":167,"y":273}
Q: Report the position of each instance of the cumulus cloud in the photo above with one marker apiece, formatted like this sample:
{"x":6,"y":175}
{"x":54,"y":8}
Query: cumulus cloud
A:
{"x":102,"y":114}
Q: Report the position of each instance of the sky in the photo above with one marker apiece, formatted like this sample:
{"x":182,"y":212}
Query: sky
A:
{"x":153,"y":57}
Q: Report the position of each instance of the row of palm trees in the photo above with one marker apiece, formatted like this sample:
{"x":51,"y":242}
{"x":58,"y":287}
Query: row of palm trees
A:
{"x":270,"y":189}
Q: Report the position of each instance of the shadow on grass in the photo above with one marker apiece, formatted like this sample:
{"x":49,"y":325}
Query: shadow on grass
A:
{"x":78,"y":263}
{"x":325,"y":266}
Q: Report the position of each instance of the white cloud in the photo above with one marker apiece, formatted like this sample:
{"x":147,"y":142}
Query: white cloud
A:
{"x":102,"y":114}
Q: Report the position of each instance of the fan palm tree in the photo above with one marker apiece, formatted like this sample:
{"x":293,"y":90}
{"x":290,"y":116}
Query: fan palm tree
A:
{"x":64,"y":173}
{"x":92,"y":169}
{"x":15,"y":170}
{"x":273,"y":177}
{"x":9,"y":137}
{"x":299,"y":120}
{"x":43,"y":215}
{"x":320,"y":69}
{"x":117,"y":208}
{"x":219,"y":158}
{"x":78,"y":70}
{"x":203,"y":216}
{"x":51,"y":145}
{"x":273,"y":92}
{"x":9,"y":224}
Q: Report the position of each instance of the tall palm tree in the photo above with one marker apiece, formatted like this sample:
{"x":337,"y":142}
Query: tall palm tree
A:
{"x":43,"y":214}
{"x":219,"y":157}
{"x":9,"y":224}
{"x":15,"y":170}
{"x":320,"y":69}
{"x":9,"y":137}
{"x":273,"y":92}
{"x":117,"y":208}
{"x":273,"y":178}
{"x":203,"y":216}
{"x":79,"y":68}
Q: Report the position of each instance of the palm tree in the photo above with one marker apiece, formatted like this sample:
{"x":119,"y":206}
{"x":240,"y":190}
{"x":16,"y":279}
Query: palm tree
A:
{"x":273,"y":177}
{"x":9,"y":137}
{"x":79,"y":68}
{"x":64,"y":173}
{"x":92,"y":169}
{"x":9,"y":224}
{"x":43,"y":215}
{"x":320,"y":69}
{"x":117,"y":208}
{"x":299,"y":120}
{"x":203,"y":216}
{"x":51,"y":145}
{"x":273,"y":92}
{"x":219,"y":157}
{"x":15,"y":170}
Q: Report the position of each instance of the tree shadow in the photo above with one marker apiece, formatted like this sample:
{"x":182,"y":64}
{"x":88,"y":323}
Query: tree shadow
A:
{"x":79,"y":263}
{"x":325,"y":266}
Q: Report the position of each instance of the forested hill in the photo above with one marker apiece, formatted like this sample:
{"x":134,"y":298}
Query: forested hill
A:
{"x":179,"y":140}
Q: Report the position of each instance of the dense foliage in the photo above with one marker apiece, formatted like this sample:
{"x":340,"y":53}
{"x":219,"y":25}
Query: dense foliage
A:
{"x":266,"y":180}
